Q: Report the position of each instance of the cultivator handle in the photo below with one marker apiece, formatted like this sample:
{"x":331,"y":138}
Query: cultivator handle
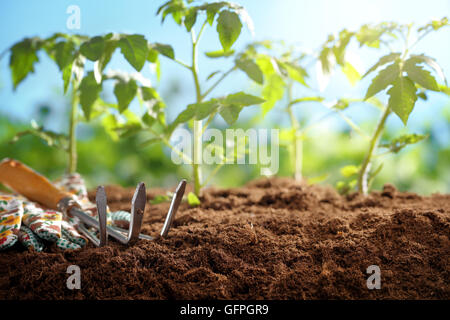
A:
{"x":27,"y":182}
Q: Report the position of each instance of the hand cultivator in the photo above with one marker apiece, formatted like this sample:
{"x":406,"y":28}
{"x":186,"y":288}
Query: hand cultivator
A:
{"x":37,"y":188}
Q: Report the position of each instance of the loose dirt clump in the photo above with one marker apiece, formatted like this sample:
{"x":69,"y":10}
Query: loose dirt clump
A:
{"x":272,"y":239}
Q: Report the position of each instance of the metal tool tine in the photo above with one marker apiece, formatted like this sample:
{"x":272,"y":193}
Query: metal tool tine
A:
{"x":137,"y":213}
{"x":88,"y":234}
{"x":176,"y":200}
{"x":100,"y":199}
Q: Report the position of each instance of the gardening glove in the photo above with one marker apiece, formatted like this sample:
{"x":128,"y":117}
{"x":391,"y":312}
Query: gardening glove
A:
{"x":11,"y":212}
{"x":26,"y":222}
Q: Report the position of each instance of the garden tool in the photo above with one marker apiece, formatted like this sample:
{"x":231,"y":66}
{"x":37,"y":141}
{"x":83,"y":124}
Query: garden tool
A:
{"x":38,"y":188}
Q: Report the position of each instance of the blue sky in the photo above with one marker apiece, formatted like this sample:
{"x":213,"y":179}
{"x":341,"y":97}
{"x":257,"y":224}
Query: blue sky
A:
{"x":303,"y":22}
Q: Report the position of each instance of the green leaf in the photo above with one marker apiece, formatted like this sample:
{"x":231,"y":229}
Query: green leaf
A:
{"x":160,"y":199}
{"x":193,"y":200}
{"x":110,"y":47}
{"x":399,"y":143}
{"x":419,"y":75}
{"x":212,"y":74}
{"x":351,"y":73}
{"x":402,"y":98}
{"x":165,"y":50}
{"x":384,"y":78}
{"x":296,"y":73}
{"x":243,"y":99}
{"x":204,"y":109}
{"x":110,"y":123}
{"x":135,"y":50}
{"x":93,"y":49}
{"x":23,"y":57}
{"x":64,"y":53}
{"x":230,"y":113}
{"x":190,"y":19}
{"x":89,"y":92}
{"x":149,"y":93}
{"x":229,"y":27}
{"x":307,"y":99}
{"x":432,"y":63}
{"x":219,"y":54}
{"x":383,"y":60}
{"x":251,"y":69}
{"x":125,"y":93}
{"x":349,"y":171}
{"x":272,"y":92}
{"x":67,"y":75}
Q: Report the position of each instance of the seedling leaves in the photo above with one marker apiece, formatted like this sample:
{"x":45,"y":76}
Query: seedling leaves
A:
{"x":193,"y":200}
{"x":135,"y":50}
{"x":89,"y":92}
{"x":229,"y":27}
{"x":384,"y":78}
{"x":125,"y":91}
{"x":165,"y":50}
{"x":243,"y":99}
{"x":251,"y":69}
{"x":420,"y":76}
{"x":402,"y":97}
{"x":399,"y":143}
{"x":219,"y":53}
{"x":23,"y":57}
{"x":93,"y":48}
{"x":383,"y":60}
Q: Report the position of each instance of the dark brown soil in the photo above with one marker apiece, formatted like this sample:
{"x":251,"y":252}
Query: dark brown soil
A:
{"x":273,"y":239}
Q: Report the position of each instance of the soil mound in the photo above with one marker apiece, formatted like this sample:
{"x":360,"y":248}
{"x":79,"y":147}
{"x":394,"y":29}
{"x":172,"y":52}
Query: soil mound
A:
{"x":272,"y":239}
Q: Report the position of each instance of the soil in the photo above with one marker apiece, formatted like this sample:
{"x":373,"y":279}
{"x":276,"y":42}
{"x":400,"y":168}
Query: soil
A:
{"x":272,"y":239}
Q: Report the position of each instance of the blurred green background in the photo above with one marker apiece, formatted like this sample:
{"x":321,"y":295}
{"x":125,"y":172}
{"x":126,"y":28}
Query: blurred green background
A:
{"x":422,"y":168}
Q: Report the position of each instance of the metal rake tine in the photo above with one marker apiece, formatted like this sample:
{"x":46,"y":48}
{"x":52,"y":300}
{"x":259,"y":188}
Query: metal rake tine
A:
{"x":176,"y":200}
{"x":137,"y":213}
{"x":100,"y":199}
{"x":88,"y":234}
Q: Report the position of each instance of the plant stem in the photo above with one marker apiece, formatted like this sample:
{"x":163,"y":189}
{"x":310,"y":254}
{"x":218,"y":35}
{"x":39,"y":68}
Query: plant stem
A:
{"x":218,"y":81}
{"x":365,"y":167}
{"x":297,"y":154}
{"x":72,"y":130}
{"x":196,"y":168}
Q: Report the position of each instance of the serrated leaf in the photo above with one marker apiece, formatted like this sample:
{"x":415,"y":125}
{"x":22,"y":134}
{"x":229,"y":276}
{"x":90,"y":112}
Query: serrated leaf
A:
{"x":402,"y":97}
{"x":296,"y":73}
{"x":193,"y":200}
{"x":165,"y":50}
{"x":89,"y":92}
{"x":93,"y":49}
{"x":219,"y":54}
{"x":251,"y":69}
{"x":63,"y":53}
{"x":125,"y":93}
{"x":110,"y":47}
{"x":420,"y":76}
{"x":404,"y":140}
{"x":230,"y":113}
{"x":204,"y":109}
{"x":190,"y":19}
{"x":229,"y":27}
{"x":351,"y":73}
{"x":384,"y":78}
{"x":135,"y":50}
{"x":383,"y":60}
{"x":22,"y":60}
{"x":243,"y":99}
{"x":432,"y":63}
{"x":272,"y":92}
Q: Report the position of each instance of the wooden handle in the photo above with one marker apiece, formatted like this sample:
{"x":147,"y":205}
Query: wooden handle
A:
{"x":27,"y":182}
